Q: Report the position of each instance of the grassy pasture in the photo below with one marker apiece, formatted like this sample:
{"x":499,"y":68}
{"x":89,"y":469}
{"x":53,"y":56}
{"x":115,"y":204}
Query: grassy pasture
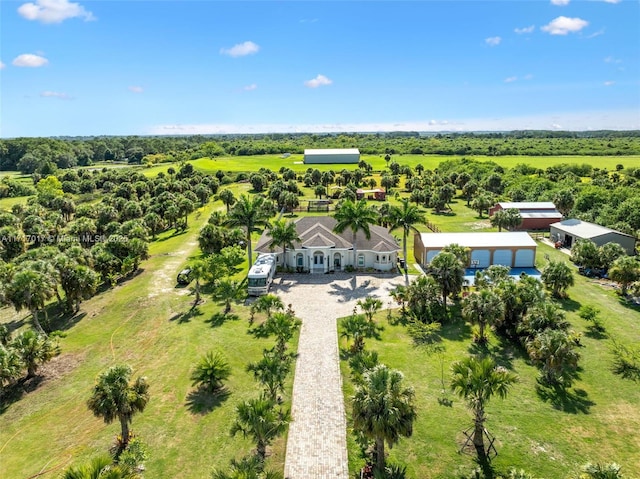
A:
{"x":295,"y":162}
{"x":141,"y":322}
{"x":598,"y":420}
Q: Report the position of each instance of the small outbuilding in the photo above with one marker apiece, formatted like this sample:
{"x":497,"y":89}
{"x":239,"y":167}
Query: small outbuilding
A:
{"x":331,"y":155}
{"x":536,"y":215}
{"x":375,"y":194}
{"x":569,"y":231}
{"x":513,"y":249}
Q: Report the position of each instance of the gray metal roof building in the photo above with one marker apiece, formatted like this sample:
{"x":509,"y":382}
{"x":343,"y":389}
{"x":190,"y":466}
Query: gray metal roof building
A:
{"x":331,"y":155}
{"x":568,"y":231}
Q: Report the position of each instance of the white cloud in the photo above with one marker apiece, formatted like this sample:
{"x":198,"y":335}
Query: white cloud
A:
{"x":55,"y":94}
{"x":510,"y":79}
{"x":528,"y":76}
{"x":320,"y":80}
{"x":609,"y":83}
{"x":493,"y":41}
{"x":2,"y":65}
{"x":29,"y":60}
{"x":565,"y":25}
{"x":54,"y":11}
{"x":241,"y":49}
{"x":528,"y":29}
{"x":136,"y":89}
{"x":612,"y":1}
{"x":251,"y":87}
{"x":574,"y":121}
{"x":611,"y":59}
{"x":560,"y":3}
{"x":596,"y":34}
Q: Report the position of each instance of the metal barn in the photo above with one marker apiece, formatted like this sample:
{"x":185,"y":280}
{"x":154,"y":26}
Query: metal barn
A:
{"x":331,"y":155}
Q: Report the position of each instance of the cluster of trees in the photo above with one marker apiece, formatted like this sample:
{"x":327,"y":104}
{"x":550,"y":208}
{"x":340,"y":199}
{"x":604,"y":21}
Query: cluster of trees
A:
{"x":262,"y":418}
{"x":57,"y":242}
{"x":23,"y":354}
{"x":37,"y":154}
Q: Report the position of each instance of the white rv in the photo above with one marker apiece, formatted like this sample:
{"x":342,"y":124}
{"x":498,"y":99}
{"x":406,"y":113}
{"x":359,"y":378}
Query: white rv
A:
{"x":261,"y":274}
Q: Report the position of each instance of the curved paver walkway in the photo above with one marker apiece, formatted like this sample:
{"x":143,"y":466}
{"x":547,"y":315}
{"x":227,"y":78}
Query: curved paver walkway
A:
{"x":317,"y":444}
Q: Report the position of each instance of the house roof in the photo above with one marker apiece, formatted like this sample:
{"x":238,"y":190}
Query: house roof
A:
{"x":584,"y":229}
{"x":529,"y":205}
{"x":541,"y":214}
{"x":331,"y":151}
{"x":317,"y":232}
{"x":478,"y":240}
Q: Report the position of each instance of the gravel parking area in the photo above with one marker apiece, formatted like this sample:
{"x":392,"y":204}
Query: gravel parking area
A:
{"x":316,"y":445}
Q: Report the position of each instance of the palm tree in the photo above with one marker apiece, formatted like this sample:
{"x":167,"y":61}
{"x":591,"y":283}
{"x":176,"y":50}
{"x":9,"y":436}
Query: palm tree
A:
{"x":405,"y":217}
{"x":11,"y":366}
{"x":555,"y":352}
{"x":359,"y":328}
{"x":356,"y":217}
{"x":249,"y":212}
{"x":383,"y":409}
{"x":227,"y":197}
{"x":115,"y":397}
{"x":449,"y":273}
{"x":476,"y":381}
{"x":260,"y":420}
{"x":246,"y":468}
{"x":482,"y":201}
{"x":557,"y":276}
{"x":227,"y":291}
{"x":211,"y":371}
{"x":271,"y":371}
{"x":483,"y":308}
{"x":33,"y":349}
{"x":31,"y":289}
{"x":198,"y":273}
{"x":101,"y":467}
{"x":268,"y":304}
{"x":370,"y":306}
{"x":283,"y":326}
{"x":283,"y":233}
{"x":625,"y":270}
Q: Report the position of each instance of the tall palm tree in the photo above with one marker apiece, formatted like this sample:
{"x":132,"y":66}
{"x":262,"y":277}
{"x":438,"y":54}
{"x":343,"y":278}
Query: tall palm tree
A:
{"x":283,"y":233}
{"x":383,"y":409}
{"x":115,"y":397}
{"x":476,"y":381}
{"x":625,"y":270}
{"x":283,"y":326}
{"x":406,"y":217}
{"x":271,"y":371}
{"x":555,"y":352}
{"x":260,"y":420}
{"x":356,"y":216}
{"x":483,"y":308}
{"x":449,"y":273}
{"x":227,"y":291}
{"x":248,"y":213}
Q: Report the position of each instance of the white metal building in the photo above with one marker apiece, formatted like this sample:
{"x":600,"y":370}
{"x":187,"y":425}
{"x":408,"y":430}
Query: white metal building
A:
{"x":516,"y":249}
{"x":332,"y":155}
{"x":568,"y":231}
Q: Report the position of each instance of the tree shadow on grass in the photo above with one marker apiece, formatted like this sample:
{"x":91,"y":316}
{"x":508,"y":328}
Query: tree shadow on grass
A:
{"x":218,"y":319}
{"x":66,"y":321}
{"x":595,"y":332}
{"x":572,"y":401}
{"x":201,"y":401}
{"x":186,"y":316}
{"x":456,"y":331}
{"x":569,"y":304}
{"x":14,"y":392}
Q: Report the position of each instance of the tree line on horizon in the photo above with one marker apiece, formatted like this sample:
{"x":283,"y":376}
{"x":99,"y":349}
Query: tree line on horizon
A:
{"x":43,"y":155}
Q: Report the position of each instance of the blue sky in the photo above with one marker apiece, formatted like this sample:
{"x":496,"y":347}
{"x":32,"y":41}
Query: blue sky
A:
{"x":191,"y":67}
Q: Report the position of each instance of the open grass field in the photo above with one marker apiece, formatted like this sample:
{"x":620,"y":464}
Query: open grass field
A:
{"x":549,"y":436}
{"x":7,"y":203}
{"x":140,"y":322}
{"x":295,"y":162}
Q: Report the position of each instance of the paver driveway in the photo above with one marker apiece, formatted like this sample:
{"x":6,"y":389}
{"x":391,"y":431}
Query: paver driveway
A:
{"x":317,"y":445}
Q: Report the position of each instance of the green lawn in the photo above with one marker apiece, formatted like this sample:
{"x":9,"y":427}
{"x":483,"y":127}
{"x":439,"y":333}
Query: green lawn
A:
{"x":7,"y":203}
{"x":140,"y":322}
{"x":599,"y":421}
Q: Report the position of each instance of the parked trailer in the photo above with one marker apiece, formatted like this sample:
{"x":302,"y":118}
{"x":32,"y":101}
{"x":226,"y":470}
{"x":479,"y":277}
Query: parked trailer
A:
{"x":261,"y":275}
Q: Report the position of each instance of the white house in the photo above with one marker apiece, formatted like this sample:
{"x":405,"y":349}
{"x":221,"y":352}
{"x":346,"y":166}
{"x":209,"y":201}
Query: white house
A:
{"x":331,"y":155}
{"x":321,"y":250}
